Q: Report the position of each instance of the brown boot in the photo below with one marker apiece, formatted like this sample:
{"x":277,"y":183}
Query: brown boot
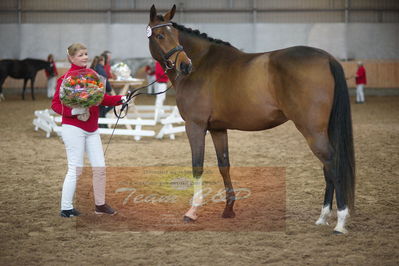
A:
{"x":105,"y":209}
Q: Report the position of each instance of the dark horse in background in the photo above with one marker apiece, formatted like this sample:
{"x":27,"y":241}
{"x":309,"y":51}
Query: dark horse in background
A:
{"x":218,"y":87}
{"x":22,"y":69}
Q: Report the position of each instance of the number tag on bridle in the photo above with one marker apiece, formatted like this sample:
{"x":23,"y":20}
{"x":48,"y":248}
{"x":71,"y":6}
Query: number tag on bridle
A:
{"x":149,"y":31}
{"x":149,"y":28}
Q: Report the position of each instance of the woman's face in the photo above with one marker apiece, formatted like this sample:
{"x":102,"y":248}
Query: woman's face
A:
{"x":80,"y":58}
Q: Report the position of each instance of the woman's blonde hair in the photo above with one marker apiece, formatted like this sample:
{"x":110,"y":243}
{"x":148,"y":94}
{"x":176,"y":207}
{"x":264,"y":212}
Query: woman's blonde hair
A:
{"x":74,"y":48}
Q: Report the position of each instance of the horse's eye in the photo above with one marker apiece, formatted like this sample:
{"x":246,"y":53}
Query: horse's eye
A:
{"x":160,"y":36}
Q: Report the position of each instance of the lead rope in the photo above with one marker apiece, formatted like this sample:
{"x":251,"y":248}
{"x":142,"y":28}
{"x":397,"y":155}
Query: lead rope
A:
{"x":130,"y":95}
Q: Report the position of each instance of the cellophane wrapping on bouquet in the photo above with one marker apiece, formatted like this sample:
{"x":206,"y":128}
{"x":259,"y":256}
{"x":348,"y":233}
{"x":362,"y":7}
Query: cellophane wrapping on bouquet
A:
{"x":122,"y":71}
{"x":82,"y":88}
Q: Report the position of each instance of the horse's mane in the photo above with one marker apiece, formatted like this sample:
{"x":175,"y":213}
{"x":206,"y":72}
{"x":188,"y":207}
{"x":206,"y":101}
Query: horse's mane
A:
{"x":199,"y":34}
{"x":195,"y":32}
{"x":34,"y":60}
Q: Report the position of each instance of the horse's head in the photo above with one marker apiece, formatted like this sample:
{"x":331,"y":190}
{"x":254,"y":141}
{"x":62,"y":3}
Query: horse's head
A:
{"x":164,"y":42}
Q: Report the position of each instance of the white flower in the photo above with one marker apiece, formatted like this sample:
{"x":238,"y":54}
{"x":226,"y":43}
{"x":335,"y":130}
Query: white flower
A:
{"x":122,"y":71}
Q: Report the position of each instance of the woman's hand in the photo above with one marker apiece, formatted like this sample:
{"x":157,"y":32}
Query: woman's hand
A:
{"x":84,"y":117}
{"x":82,"y":113}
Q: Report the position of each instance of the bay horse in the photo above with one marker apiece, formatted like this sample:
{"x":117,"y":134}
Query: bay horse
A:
{"x":22,"y":69}
{"x":219,"y":87}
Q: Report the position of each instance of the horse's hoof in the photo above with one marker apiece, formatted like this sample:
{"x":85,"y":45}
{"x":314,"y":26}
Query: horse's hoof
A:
{"x":337,"y":233}
{"x":228,"y":214}
{"x":187,"y":219}
{"x":340,"y":232}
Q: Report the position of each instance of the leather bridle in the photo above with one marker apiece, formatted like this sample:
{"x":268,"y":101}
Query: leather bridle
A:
{"x":169,"y":64}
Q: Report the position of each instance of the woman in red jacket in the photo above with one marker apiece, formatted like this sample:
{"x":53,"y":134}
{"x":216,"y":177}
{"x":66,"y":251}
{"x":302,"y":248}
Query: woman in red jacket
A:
{"x":80,"y":135}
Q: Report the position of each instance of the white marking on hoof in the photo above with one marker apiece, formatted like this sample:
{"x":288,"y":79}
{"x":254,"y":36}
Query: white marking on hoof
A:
{"x":342,"y":215}
{"x":325,"y":213}
{"x":2,"y":97}
{"x":196,"y":201}
{"x":192,"y":213}
{"x":197,"y":197}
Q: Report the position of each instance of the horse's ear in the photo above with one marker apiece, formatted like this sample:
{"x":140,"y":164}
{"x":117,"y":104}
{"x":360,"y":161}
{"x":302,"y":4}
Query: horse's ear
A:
{"x":168,"y":16}
{"x":153,"y":13}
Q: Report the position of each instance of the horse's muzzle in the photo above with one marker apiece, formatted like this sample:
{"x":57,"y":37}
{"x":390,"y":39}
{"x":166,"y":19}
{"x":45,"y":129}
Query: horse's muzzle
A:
{"x":186,"y":68}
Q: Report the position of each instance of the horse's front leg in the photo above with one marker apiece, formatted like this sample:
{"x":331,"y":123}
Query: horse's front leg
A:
{"x":196,"y":137}
{"x":2,"y":79}
{"x":220,"y":140}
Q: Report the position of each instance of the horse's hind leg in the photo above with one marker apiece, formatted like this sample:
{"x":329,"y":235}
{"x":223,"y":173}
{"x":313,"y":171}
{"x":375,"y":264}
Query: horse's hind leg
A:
{"x":23,"y":89}
{"x":328,"y":199}
{"x":320,"y":145}
{"x":196,"y":137}
{"x":32,"y":82}
{"x":220,"y":141}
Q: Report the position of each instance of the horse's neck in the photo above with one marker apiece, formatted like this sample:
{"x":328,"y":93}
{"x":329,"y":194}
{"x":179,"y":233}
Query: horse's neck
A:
{"x":201,"y":50}
{"x":38,"y":64}
{"x":195,"y":48}
{"x":43,"y":64}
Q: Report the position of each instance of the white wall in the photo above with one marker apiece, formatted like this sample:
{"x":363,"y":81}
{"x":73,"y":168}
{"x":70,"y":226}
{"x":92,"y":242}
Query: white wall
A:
{"x":365,"y":41}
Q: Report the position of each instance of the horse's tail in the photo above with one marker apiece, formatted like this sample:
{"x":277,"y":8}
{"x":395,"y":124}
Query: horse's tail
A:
{"x":340,"y":135}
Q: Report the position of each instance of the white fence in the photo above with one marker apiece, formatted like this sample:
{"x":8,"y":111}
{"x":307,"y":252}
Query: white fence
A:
{"x":167,"y":116}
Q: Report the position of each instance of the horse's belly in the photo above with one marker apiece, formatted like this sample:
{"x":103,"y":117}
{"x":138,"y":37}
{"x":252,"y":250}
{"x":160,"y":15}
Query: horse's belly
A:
{"x":249,"y":122}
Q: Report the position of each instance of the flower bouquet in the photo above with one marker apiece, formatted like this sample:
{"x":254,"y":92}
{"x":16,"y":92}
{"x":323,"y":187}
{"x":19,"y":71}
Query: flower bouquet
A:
{"x":82,"y":88}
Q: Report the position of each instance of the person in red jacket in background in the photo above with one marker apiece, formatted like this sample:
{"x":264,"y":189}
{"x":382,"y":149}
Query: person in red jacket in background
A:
{"x":150,"y":71}
{"x":51,"y":76}
{"x":160,"y":86}
{"x":361,"y":81}
{"x":107,"y":64}
{"x":80,"y":135}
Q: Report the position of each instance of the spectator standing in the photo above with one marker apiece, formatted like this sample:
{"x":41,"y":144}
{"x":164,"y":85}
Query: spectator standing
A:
{"x":107,"y":64}
{"x":98,"y":66}
{"x":160,"y":86}
{"x":51,"y":77}
{"x":150,"y":71}
{"x":361,"y":81}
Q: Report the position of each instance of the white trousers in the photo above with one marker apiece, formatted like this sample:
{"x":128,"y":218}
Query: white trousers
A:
{"x":160,"y":98}
{"x":150,"y":79}
{"x":360,"y":93}
{"x":51,"y":83}
{"x":77,"y":141}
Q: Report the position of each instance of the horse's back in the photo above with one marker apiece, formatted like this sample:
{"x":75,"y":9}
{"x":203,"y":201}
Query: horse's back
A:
{"x":19,"y":69}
